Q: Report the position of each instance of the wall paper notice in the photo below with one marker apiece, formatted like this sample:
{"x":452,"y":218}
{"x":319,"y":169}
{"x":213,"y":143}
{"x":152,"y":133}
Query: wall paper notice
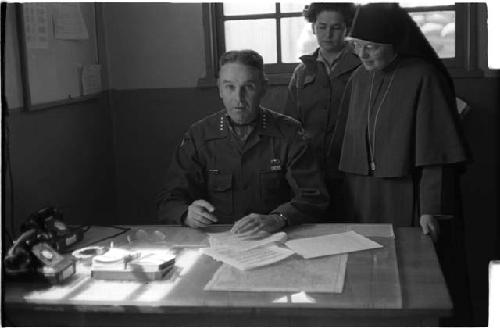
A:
{"x":91,"y":79}
{"x":69,"y":23}
{"x":36,"y":25}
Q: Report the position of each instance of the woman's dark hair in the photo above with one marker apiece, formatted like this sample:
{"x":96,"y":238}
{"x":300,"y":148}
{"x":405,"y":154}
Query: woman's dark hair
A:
{"x":346,"y":9}
{"x":246,"y":57}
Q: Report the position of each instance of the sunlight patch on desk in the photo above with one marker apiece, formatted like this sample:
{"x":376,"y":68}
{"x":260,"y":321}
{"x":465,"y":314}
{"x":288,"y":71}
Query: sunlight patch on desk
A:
{"x":300,"y":297}
{"x":109,"y":291}
{"x":283,"y":299}
{"x":55,"y":293}
{"x":156,"y":291}
{"x":187,"y":259}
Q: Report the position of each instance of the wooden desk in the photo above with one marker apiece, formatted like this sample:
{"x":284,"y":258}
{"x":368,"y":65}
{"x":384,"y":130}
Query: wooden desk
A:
{"x":183,"y":302}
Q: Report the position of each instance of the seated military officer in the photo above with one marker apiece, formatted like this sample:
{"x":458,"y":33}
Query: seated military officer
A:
{"x":245,"y":164}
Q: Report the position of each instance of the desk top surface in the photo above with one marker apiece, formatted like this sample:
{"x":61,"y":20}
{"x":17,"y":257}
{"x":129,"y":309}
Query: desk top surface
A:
{"x":370,"y":278}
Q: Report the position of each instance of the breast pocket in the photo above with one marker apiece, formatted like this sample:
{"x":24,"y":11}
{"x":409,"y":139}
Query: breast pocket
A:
{"x":220,"y":193}
{"x":274,"y":188}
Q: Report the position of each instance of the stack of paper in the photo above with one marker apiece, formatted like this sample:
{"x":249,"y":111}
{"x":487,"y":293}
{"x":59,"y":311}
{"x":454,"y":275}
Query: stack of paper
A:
{"x":249,"y":258}
{"x":246,"y":254}
{"x":230,"y":240}
{"x":339,"y":243}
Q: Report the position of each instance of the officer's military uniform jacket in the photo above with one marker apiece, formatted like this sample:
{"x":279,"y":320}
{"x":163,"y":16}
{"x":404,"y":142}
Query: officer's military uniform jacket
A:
{"x":275,"y":171}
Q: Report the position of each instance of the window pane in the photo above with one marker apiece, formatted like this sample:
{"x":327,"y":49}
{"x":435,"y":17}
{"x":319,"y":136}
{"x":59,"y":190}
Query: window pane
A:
{"x":293,"y":7}
{"x":297,"y":39}
{"x":425,"y":3}
{"x":259,"y":35}
{"x":439,"y":28}
{"x":248,"y":8}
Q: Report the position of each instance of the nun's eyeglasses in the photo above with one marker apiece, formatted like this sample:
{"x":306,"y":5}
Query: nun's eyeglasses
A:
{"x":369,"y":47}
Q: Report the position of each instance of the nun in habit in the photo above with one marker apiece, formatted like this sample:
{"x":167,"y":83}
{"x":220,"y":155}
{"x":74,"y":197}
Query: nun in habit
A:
{"x":402,"y":139}
{"x":403,"y":144}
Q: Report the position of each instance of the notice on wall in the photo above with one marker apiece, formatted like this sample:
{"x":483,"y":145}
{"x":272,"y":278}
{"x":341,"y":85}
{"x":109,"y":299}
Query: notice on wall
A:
{"x":69,"y":23}
{"x":36,"y":25}
{"x":91,"y":79}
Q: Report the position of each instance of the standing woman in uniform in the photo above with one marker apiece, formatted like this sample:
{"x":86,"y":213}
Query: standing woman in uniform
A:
{"x":317,"y":85}
{"x":403,"y":144}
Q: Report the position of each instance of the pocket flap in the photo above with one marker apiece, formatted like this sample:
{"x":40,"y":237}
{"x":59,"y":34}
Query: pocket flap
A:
{"x":220,"y":182}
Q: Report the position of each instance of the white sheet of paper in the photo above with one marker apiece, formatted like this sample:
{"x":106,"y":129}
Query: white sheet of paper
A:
{"x":69,"y":23}
{"x":249,"y":258}
{"x":91,"y":79}
{"x":230,"y":240}
{"x":384,"y":230}
{"x":333,"y":244}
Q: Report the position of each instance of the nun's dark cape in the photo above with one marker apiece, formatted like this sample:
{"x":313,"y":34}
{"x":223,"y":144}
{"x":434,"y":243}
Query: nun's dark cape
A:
{"x":417,"y":140}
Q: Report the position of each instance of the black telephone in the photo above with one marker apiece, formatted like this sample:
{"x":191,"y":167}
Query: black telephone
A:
{"x":36,"y":251}
{"x":49,"y":221}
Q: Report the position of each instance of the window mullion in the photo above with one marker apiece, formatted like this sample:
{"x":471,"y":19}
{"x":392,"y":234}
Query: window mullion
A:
{"x":278,"y":33}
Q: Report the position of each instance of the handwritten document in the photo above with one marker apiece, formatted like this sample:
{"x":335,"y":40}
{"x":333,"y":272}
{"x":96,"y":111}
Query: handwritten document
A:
{"x":293,"y":274}
{"x":332,"y":244}
{"x":249,"y":258}
{"x":230,"y":240}
{"x":69,"y":23}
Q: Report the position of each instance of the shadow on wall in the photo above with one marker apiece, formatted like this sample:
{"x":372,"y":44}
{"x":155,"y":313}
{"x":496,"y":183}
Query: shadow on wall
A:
{"x":62,"y":157}
{"x":480,"y":186}
{"x":149,"y":124}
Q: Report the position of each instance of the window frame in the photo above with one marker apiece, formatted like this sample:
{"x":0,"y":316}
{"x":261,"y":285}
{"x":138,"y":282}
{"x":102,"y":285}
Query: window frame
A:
{"x":464,"y":64}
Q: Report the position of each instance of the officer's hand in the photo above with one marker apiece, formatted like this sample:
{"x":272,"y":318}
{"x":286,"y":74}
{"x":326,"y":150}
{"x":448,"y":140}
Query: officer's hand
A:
{"x":200,"y":214}
{"x":430,"y":225}
{"x":256,"y":226}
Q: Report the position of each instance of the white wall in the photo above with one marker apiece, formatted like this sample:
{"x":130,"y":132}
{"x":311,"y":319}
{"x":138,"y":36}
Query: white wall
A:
{"x":154,"y":45}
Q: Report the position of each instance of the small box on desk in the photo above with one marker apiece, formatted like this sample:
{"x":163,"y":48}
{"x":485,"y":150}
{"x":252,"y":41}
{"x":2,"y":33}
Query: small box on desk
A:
{"x":145,"y":267}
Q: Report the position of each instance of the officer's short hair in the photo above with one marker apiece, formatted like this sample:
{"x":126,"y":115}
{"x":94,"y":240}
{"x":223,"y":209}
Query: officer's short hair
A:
{"x":246,"y":57}
{"x":346,"y":9}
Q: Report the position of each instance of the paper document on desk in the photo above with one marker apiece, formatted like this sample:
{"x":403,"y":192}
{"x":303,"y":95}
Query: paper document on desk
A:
{"x":230,"y":240}
{"x":333,"y":244}
{"x":294,"y":274}
{"x":250,"y":258}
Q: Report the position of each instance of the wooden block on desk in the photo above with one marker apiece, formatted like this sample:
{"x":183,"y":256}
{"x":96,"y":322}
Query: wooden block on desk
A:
{"x":130,"y":273}
{"x":144,"y":268}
